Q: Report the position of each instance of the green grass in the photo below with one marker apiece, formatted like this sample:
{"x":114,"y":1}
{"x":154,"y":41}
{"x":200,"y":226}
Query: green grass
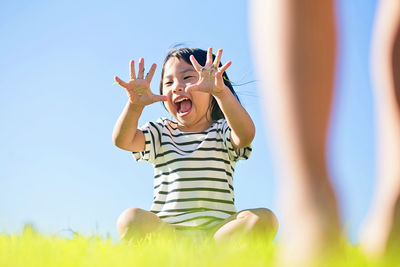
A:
{"x":34,"y":249}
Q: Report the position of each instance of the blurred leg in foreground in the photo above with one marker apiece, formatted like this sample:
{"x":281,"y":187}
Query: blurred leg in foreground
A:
{"x":382,"y":230}
{"x":294,"y":52}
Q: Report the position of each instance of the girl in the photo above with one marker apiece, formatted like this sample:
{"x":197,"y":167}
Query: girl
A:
{"x":195,"y":155}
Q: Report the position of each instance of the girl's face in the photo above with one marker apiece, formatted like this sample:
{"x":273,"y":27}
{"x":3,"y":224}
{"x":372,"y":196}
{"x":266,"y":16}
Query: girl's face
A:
{"x":189,"y":109}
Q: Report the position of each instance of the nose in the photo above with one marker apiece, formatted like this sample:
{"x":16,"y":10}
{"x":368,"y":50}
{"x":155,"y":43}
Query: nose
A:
{"x":178,"y":88}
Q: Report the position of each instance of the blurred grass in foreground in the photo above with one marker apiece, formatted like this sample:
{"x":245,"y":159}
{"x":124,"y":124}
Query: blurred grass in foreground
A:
{"x":34,"y":249}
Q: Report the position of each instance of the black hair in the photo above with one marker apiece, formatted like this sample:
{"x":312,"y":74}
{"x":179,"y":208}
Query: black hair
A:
{"x":201,"y":57}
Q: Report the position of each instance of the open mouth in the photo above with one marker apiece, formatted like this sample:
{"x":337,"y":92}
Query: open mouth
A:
{"x":183,"y":106}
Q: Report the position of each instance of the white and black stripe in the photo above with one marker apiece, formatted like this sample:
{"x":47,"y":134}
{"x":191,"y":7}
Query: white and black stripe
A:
{"x":193,"y":173}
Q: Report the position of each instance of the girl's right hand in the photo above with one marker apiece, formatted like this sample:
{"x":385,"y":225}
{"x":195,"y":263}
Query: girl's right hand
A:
{"x":138,"y":87}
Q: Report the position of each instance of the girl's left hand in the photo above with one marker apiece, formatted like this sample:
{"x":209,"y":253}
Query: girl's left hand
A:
{"x":210,"y":75}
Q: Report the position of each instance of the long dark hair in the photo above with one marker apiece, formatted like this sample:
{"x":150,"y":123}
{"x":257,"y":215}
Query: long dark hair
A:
{"x":201,"y":56}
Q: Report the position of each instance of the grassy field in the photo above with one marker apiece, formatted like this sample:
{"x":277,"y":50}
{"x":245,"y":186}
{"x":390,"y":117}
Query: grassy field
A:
{"x":34,"y":249}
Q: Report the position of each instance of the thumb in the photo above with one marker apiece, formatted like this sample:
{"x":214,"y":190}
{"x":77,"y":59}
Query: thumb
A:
{"x":157,"y":98}
{"x":191,"y":88}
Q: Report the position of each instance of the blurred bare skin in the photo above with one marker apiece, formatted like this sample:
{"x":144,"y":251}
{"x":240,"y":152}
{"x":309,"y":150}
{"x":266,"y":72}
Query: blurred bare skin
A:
{"x":294,"y":44}
{"x":294,"y":48}
{"x":381,"y":232}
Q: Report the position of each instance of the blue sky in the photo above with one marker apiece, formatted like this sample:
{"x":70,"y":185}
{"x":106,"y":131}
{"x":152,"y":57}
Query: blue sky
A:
{"x":58,"y":105}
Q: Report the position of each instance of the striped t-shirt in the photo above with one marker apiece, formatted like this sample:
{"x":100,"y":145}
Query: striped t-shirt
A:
{"x":193,"y":173}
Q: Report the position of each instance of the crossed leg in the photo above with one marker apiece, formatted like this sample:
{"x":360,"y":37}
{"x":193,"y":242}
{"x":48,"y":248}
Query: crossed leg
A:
{"x":258,"y":223}
{"x":135,"y":223}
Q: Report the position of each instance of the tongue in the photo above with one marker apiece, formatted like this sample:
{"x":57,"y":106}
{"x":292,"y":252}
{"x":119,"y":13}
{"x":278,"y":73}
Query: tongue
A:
{"x":186,"y":105}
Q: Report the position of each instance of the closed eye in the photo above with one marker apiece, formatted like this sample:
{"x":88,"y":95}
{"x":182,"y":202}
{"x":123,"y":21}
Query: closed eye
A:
{"x":168,"y":83}
{"x":188,"y":77}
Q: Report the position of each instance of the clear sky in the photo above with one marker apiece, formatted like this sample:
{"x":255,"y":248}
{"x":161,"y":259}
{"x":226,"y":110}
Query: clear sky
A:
{"x":58,"y":166}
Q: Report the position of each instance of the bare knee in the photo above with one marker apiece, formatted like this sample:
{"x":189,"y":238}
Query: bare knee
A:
{"x":125,"y":220}
{"x":259,"y":220}
{"x":135,"y":220}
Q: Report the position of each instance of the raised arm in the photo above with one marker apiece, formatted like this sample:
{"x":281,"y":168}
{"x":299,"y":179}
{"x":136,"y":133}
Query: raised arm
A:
{"x":211,"y":81}
{"x":125,"y":134}
{"x":242,"y":126}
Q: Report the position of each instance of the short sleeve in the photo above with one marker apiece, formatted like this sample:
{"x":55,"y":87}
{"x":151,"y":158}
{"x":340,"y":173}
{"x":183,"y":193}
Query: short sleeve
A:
{"x":152,"y":136}
{"x":240,"y":153}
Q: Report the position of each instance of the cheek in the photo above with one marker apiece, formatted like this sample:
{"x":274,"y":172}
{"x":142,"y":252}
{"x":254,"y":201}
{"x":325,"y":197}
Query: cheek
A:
{"x":203,"y":100}
{"x":167,"y":93}
{"x":168,"y":104}
{"x":193,"y":80}
{"x":164,"y":91}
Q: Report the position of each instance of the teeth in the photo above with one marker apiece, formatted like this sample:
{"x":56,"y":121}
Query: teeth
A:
{"x":181,"y":99}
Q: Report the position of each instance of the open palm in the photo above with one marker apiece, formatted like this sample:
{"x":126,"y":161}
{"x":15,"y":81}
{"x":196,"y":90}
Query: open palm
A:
{"x":210,"y":75}
{"x":138,"y":87}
